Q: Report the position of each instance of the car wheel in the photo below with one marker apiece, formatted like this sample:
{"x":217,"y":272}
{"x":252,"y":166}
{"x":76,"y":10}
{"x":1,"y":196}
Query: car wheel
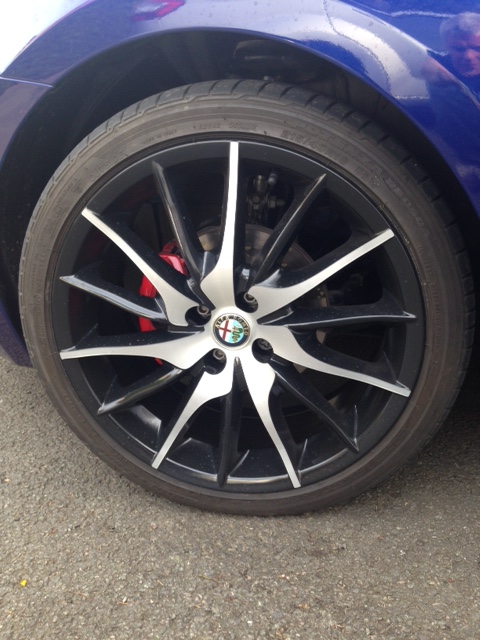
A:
{"x":247,"y":298}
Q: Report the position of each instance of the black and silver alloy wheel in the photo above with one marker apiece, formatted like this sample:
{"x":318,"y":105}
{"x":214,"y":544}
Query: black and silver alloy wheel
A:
{"x":239,"y":315}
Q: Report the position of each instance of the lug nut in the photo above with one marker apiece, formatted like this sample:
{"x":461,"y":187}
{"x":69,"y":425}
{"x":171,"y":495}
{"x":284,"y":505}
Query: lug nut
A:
{"x":219,"y":355}
{"x":249,"y":299}
{"x":264,"y":345}
{"x":203,"y":311}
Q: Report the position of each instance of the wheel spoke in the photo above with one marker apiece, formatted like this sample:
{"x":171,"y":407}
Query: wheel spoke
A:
{"x":385,"y":311}
{"x":344,"y":426}
{"x":90,"y":281}
{"x":293,"y":450}
{"x":182,"y":351}
{"x":231,"y":420}
{"x":218,"y":284}
{"x":171,"y":285}
{"x":185,"y":232}
{"x":320,"y":358}
{"x":202,"y":389}
{"x":260,"y":378}
{"x":280,"y":290}
{"x":119,"y":397}
{"x":284,"y":233}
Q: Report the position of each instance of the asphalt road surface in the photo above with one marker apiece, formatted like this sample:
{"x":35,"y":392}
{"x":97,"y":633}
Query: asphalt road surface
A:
{"x":84,"y":554}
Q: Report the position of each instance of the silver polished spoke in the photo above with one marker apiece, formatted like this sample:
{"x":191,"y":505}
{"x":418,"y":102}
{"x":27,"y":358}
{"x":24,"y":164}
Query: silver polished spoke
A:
{"x":271,"y":296}
{"x":286,"y":346}
{"x":182,"y":352}
{"x":176,"y":302}
{"x":208,"y":388}
{"x":385,"y":311}
{"x":89,"y":281}
{"x":260,"y":378}
{"x":218,"y":285}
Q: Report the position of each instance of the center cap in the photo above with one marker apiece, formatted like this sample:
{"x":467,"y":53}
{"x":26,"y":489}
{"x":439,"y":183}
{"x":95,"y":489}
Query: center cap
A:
{"x":231,"y":330}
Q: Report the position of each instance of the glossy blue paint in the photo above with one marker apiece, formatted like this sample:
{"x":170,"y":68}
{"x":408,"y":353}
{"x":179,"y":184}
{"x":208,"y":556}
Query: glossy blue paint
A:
{"x":16,"y":100}
{"x":389,"y":45}
{"x":395,"y":47}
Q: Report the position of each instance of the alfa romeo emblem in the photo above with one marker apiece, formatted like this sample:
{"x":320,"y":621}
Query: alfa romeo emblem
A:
{"x":231,"y":330}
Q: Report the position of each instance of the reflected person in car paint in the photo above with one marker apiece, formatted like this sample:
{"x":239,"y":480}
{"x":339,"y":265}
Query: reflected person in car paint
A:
{"x":462,"y":38}
{"x":458,"y":70}
{"x":461,"y":35}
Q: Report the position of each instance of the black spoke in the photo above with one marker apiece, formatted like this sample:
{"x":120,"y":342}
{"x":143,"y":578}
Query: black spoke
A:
{"x":379,"y":372}
{"x":90,"y":281}
{"x":172,"y":285}
{"x":202,"y":388}
{"x":285,"y":286}
{"x":343,"y":425}
{"x":292,"y":448}
{"x":328,"y":265}
{"x":183,"y":228}
{"x":385,"y":311}
{"x":230,"y":423}
{"x":151,"y":344}
{"x":119,"y":397}
{"x":172,"y":434}
{"x":284,"y":233}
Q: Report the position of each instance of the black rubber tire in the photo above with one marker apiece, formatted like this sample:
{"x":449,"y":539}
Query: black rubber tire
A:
{"x":316,"y":127}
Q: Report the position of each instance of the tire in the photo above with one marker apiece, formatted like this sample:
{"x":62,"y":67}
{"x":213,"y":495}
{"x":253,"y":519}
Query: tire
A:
{"x":246,"y":298}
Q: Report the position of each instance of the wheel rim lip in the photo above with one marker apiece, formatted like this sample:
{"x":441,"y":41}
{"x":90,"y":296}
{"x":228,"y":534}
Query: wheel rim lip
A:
{"x":232,"y":351}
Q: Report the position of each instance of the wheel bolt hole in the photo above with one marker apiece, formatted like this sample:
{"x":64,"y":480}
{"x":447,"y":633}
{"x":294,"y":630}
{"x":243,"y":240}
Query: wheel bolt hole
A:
{"x":215,"y":361}
{"x":263,"y":350}
{"x":199,"y":315}
{"x":264,"y":345}
{"x":247,"y":302}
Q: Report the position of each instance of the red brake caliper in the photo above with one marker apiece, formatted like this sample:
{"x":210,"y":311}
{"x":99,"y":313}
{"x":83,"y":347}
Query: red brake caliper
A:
{"x":148,"y":290}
